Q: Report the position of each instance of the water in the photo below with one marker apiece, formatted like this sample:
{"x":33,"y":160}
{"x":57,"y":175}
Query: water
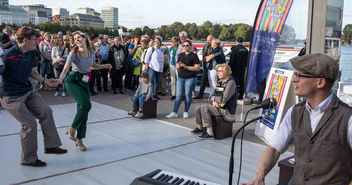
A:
{"x":346,"y":64}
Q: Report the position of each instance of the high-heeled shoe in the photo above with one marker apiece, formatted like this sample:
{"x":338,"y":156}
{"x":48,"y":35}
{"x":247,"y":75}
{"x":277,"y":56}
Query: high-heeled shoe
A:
{"x":80,"y":144}
{"x":71,"y":133}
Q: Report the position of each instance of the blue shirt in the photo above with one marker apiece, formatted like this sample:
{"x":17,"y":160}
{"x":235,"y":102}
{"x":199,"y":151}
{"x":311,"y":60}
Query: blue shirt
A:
{"x":130,"y":57}
{"x":103,"y":51}
{"x":18,"y":68}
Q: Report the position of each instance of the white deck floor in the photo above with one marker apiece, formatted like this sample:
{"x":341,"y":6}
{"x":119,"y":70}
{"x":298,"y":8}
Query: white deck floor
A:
{"x":120,"y":149}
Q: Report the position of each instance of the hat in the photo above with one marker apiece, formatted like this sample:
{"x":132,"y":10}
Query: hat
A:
{"x":101,"y":36}
{"x":318,"y":65}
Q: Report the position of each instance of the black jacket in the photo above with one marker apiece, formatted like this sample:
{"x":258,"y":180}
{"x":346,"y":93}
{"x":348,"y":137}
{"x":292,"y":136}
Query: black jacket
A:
{"x":112,"y":60}
{"x":238,"y":58}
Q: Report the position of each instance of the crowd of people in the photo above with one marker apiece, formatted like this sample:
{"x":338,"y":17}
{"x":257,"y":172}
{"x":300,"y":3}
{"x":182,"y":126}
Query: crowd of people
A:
{"x":320,"y":127}
{"x":82,"y":64}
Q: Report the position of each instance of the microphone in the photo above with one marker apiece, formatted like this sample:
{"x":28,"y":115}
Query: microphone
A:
{"x":266,"y":104}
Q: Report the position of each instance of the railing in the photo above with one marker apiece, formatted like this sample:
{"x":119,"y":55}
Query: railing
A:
{"x":344,"y":92}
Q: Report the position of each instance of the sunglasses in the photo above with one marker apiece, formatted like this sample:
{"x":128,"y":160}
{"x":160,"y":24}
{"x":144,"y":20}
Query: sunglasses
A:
{"x":185,"y":45}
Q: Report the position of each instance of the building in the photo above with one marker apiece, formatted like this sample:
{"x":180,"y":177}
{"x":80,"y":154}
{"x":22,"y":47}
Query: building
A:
{"x":110,"y":17}
{"x":88,"y":11}
{"x":4,"y":2}
{"x":5,"y":14}
{"x":39,"y":7}
{"x":61,"y":12}
{"x":19,"y":15}
{"x":37,"y":17}
{"x":82,"y":20}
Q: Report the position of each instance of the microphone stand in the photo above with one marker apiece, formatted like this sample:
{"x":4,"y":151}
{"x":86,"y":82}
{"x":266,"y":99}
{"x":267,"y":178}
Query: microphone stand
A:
{"x":231,"y":165}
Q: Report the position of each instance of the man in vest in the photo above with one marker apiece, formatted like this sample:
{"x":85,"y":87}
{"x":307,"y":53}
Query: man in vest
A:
{"x":320,"y":128}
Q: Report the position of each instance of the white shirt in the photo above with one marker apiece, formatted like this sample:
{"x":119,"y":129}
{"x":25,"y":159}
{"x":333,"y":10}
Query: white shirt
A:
{"x":155,"y":59}
{"x":283,"y":138}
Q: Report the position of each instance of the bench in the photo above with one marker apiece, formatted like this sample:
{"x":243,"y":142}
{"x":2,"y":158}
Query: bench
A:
{"x":221,"y":128}
{"x":149,"y":108}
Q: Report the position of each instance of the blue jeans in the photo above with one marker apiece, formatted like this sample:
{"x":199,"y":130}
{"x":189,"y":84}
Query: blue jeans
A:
{"x":154,"y":77}
{"x":184,"y":86}
{"x":43,"y":67}
{"x":140,"y":99}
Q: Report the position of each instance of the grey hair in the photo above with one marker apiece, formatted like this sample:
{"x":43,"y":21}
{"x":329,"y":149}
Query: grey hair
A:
{"x":217,"y":42}
{"x":7,"y":28}
{"x":160,"y":37}
{"x":184,"y":33}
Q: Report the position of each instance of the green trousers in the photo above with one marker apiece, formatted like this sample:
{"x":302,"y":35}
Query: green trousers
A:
{"x":79,"y":91}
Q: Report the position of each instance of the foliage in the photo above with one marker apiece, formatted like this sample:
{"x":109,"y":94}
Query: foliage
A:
{"x":347,"y":34}
{"x":221,"y":31}
{"x":288,"y":34}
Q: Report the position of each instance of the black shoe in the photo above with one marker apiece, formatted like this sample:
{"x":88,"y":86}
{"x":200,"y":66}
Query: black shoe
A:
{"x":37,"y":163}
{"x":99,"y":90}
{"x":106,"y":90}
{"x":121,"y":92}
{"x":173,"y":97}
{"x":93,"y":93}
{"x":55,"y":150}
{"x":114,"y":91}
{"x":162,"y":94}
{"x":198,"y":97}
{"x":156,"y":97}
{"x":206,"y":136}
{"x":196,"y":131}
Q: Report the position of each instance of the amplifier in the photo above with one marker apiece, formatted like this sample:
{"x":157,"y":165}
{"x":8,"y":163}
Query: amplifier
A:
{"x":163,"y":177}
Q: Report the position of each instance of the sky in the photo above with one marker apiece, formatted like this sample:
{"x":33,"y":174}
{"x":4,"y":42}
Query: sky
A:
{"x":154,"y":13}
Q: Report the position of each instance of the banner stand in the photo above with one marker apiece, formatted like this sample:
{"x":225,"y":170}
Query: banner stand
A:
{"x":279,"y":86}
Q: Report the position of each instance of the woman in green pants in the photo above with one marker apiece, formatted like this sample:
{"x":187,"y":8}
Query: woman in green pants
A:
{"x":81,"y":59}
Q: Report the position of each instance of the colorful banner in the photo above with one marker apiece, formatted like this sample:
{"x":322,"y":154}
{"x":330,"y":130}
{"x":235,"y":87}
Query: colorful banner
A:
{"x":270,"y":20}
{"x":275,"y":90}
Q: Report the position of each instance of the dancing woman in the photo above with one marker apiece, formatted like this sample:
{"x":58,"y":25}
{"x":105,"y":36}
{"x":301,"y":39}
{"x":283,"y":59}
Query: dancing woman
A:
{"x":81,"y":58}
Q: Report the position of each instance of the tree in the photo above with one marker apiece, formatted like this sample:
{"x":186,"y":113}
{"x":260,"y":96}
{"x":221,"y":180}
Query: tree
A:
{"x":192,"y":30}
{"x":137,"y":32}
{"x":216,"y":30}
{"x":288,"y":34}
{"x":225,"y":34}
{"x":163,"y":31}
{"x":148,"y":31}
{"x":244,"y":31}
{"x":202,"y":32}
{"x":347,"y":34}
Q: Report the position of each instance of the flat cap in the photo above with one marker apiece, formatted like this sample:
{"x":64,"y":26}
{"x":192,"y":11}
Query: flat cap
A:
{"x":318,"y":65}
{"x":101,"y":36}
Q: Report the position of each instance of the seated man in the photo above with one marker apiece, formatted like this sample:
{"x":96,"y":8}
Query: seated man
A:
{"x":222,"y":103}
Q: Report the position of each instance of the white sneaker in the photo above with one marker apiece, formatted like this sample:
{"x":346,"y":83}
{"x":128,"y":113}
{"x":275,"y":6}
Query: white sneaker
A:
{"x":63,"y":94}
{"x":172,"y":115}
{"x":56,"y":94}
{"x":185,"y":115}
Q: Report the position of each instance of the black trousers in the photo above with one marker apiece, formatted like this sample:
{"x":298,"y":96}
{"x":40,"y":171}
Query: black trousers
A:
{"x":129,"y":76}
{"x":204,"y":82}
{"x":116,"y":79}
{"x":103,"y":74}
{"x":92,"y":81}
{"x":239,"y":79}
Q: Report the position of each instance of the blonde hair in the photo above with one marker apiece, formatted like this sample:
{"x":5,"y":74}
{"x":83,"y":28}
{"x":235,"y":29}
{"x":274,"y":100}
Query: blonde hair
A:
{"x":226,"y":67}
{"x":217,"y":42}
